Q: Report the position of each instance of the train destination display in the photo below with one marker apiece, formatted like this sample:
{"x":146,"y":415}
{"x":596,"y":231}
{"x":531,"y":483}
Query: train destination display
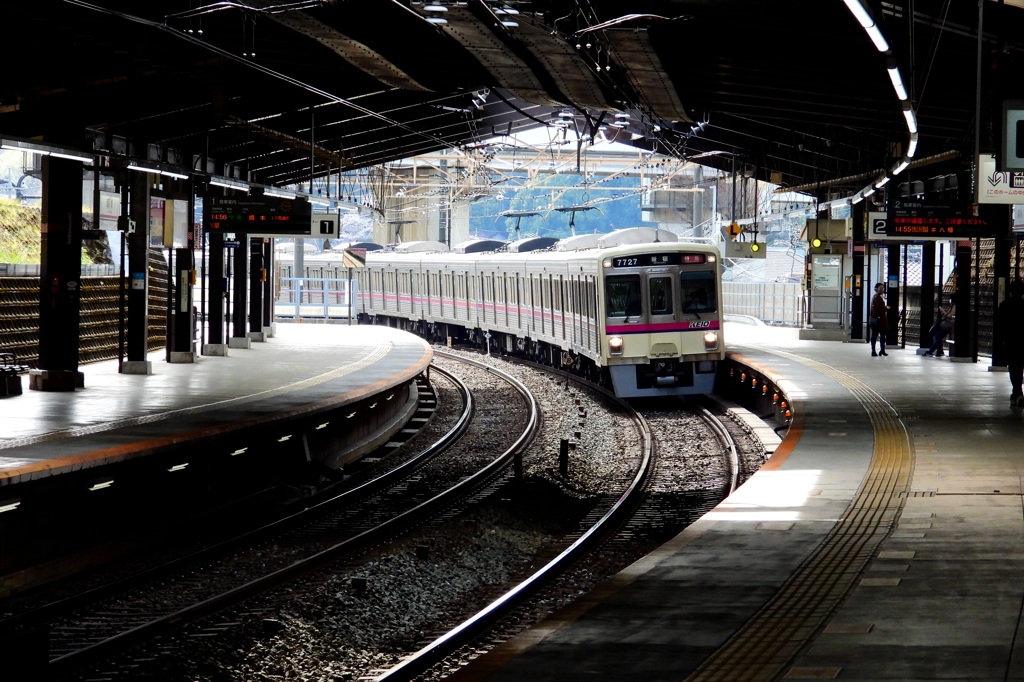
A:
{"x":258,"y":215}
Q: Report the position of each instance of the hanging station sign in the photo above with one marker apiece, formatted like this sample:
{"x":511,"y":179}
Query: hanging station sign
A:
{"x":911,"y":218}
{"x":267,"y":216}
{"x":996,"y":187}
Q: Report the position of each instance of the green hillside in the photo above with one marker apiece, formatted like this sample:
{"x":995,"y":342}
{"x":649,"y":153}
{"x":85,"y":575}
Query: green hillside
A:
{"x":19,"y":233}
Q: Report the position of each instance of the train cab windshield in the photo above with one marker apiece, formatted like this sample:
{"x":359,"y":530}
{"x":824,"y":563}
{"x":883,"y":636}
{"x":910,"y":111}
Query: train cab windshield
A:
{"x":698,"y":292}
{"x":623,"y":296}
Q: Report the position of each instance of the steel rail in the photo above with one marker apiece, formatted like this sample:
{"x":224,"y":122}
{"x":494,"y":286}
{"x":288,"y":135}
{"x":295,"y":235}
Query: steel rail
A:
{"x":396,"y":525}
{"x":418,"y":662}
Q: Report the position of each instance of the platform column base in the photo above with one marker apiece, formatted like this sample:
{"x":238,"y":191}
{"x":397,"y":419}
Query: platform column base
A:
{"x":136,"y":367}
{"x":257,"y":337}
{"x":239,"y":342}
{"x":55,"y":380}
{"x":218,"y":349}
{"x":268,"y":332}
{"x":182,"y":357}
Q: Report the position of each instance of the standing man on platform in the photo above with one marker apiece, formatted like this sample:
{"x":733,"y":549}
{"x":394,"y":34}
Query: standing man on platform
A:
{"x":878,"y":320}
{"x":1010,"y":335}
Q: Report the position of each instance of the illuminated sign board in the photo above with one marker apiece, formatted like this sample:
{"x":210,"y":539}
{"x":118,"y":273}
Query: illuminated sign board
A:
{"x":655,"y":259}
{"x":916,"y":219}
{"x":265,"y":215}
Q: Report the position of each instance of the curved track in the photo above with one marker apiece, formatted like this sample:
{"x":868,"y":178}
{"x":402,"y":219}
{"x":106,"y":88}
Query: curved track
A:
{"x":625,"y":511}
{"x":125,"y":615}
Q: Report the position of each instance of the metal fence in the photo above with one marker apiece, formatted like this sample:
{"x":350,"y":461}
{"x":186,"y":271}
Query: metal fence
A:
{"x":773,"y":303}
{"x":314,"y":297}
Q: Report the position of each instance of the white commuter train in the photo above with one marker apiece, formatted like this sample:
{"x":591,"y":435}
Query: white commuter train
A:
{"x":635,"y":309}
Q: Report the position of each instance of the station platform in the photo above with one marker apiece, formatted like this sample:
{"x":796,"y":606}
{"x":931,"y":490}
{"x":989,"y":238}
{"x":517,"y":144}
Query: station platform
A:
{"x":302,"y":369}
{"x":883,"y":540}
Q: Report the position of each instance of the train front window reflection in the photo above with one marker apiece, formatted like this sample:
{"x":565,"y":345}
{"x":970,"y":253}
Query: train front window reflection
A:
{"x":661,"y":295}
{"x":698,"y":292}
{"x":622,"y":295}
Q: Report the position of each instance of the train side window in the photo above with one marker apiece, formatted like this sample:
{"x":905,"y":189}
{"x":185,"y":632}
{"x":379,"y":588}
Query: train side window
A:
{"x":623,"y":296}
{"x":661,"y":295}
{"x":698,"y":292}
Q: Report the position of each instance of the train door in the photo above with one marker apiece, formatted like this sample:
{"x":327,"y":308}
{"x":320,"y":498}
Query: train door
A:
{"x":504,"y":299}
{"x":660,"y":311}
{"x":535,"y":302}
{"x":486,"y":298}
{"x":574,"y":293}
{"x":417,"y":301}
{"x":557,"y":320}
{"x":404,"y":298}
{"x":464,"y":296}
{"x":493,"y":281}
{"x":426,"y":294}
{"x":517,"y":317}
{"x":545,"y":306}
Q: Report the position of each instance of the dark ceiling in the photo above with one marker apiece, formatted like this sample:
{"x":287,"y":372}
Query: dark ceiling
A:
{"x":276,"y":92}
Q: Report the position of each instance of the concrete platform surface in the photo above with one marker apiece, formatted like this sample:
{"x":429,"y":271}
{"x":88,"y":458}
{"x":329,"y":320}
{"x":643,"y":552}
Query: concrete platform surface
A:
{"x":302,"y":365}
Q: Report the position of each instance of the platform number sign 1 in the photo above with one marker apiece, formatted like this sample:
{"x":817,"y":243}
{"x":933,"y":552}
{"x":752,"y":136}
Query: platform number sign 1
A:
{"x":325,"y":225}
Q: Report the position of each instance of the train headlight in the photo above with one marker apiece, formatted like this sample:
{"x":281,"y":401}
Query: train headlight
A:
{"x":710,"y":340}
{"x":615,"y":345}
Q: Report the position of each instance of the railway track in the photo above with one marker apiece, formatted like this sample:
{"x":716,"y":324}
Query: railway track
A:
{"x":612,"y":530}
{"x":107,"y":622}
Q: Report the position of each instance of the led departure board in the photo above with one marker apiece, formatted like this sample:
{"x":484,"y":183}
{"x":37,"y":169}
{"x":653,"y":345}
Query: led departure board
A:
{"x":263,"y":215}
{"x":914,"y":218}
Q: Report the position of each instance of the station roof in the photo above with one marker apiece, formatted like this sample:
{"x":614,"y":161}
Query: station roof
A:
{"x":278,"y":91}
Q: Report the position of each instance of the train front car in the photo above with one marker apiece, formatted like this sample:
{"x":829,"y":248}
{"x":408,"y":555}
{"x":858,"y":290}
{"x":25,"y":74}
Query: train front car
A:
{"x":662,"y":318}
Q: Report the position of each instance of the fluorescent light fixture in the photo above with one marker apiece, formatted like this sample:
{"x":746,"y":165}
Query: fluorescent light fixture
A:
{"x":284,"y":438}
{"x":172,"y":174}
{"x":908,"y":114}
{"x":882,"y":182}
{"x":178,"y":467}
{"x":897,"y":83}
{"x":322,"y":426}
{"x":435,"y":8}
{"x":319,"y":202}
{"x":877,"y":38}
{"x":19,"y":146}
{"x":860,"y":13}
{"x":279,"y":193}
{"x":72,"y":157}
{"x":239,"y":451}
{"x":10,"y":505}
{"x":46,"y":150}
{"x":510,"y":24}
{"x":101,"y":485}
{"x":437,"y":20}
{"x":229,"y":183}
{"x":900,"y":168}
{"x":912,"y":147}
{"x":868,"y":24}
{"x":143,"y":169}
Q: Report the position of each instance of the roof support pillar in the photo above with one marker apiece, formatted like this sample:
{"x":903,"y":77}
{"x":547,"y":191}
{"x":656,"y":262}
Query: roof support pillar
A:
{"x":60,"y":277}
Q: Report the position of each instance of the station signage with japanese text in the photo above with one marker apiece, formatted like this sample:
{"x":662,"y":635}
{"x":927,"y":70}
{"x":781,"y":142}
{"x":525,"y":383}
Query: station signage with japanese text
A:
{"x":912,"y":218}
{"x":261,"y":215}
